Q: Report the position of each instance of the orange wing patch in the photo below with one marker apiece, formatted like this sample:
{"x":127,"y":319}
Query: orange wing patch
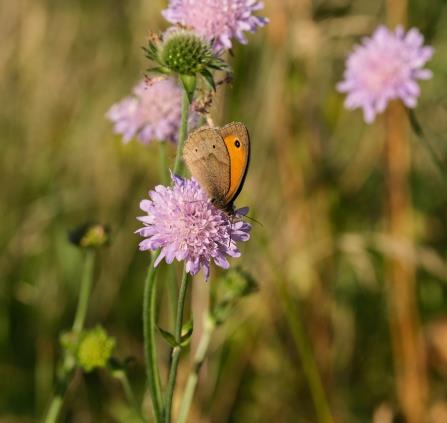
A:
{"x":238,"y":163}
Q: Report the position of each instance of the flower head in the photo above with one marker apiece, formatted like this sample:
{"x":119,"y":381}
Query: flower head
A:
{"x":90,"y":235}
{"x":95,"y":349}
{"x":385,"y":67}
{"x":185,"y":225}
{"x":184,"y":53}
{"x":151,"y":113}
{"x":217,"y":20}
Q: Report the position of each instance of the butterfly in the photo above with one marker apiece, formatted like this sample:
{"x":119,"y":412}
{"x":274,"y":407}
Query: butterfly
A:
{"x":218,"y":159}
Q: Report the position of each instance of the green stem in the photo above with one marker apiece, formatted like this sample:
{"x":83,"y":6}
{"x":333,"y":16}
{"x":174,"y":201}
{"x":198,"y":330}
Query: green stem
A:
{"x":122,"y":377}
{"x":164,"y":170}
{"x":67,"y":366}
{"x":84,"y":294}
{"x":193,"y":377}
{"x":172,"y":292}
{"x":177,"y":349}
{"x":149,"y":327}
{"x":182,"y":133}
{"x":310,"y":368}
{"x":54,"y":409}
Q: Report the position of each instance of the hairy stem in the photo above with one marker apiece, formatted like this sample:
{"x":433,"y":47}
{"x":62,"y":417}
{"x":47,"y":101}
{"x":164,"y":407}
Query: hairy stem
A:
{"x":182,"y":133}
{"x":149,"y":328}
{"x":175,"y":356}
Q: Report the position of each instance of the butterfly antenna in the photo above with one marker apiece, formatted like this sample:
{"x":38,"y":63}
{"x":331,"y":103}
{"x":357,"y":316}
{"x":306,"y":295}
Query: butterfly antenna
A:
{"x":254,"y":220}
{"x":231,"y":229}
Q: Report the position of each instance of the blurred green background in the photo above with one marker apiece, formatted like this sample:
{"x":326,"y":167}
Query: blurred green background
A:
{"x":316,"y":183}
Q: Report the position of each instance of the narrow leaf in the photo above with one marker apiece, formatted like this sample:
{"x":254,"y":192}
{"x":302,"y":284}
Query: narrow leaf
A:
{"x":187,"y":331}
{"x":209,"y":78}
{"x":168,"y":337}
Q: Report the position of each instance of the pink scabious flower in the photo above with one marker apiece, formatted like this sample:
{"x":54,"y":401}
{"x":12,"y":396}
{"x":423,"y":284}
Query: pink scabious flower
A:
{"x":217,"y":20}
{"x":185,"y":225}
{"x":385,"y":67}
{"x":151,"y":113}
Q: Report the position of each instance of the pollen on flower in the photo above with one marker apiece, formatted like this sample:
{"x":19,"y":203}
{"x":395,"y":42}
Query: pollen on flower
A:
{"x":183,"y":223}
{"x":217,"y":20}
{"x":385,"y":67}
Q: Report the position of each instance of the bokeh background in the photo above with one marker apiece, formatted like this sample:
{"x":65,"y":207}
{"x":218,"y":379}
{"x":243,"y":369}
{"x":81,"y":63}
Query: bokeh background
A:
{"x":316,"y":184}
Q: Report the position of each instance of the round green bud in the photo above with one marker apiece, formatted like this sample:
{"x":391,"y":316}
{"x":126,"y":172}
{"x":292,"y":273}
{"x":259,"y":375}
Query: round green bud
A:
{"x":95,"y":349}
{"x":185,"y":52}
{"x":90,"y":235}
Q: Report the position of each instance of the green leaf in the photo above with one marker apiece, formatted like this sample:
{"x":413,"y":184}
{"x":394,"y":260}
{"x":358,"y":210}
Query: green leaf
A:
{"x":187,"y":331}
{"x":189,"y":85}
{"x":151,"y":51}
{"x":159,"y":69}
{"x":219,"y":64}
{"x":188,"y":327}
{"x":207,"y":75}
{"x":168,"y":337}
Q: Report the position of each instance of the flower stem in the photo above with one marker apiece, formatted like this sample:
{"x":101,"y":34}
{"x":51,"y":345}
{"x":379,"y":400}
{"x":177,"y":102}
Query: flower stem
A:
{"x":403,"y":315}
{"x":122,"y":377}
{"x":406,"y":334}
{"x":54,"y":409}
{"x":149,"y":327}
{"x":193,"y":377}
{"x":84,"y":294}
{"x":310,"y":368}
{"x":182,"y":133}
{"x":67,"y":367}
{"x":172,"y":292}
{"x":175,"y":355}
{"x":164,"y":171}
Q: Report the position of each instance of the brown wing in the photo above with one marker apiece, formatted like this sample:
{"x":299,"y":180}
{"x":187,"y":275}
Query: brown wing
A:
{"x":208,"y":161}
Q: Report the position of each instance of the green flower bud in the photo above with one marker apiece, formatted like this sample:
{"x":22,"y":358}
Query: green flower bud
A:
{"x":185,"y":52}
{"x":95,"y":349}
{"x":90,"y":235}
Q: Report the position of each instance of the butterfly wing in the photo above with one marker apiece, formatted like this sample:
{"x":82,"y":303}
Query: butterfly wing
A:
{"x":237,"y":143}
{"x":207,"y":158}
